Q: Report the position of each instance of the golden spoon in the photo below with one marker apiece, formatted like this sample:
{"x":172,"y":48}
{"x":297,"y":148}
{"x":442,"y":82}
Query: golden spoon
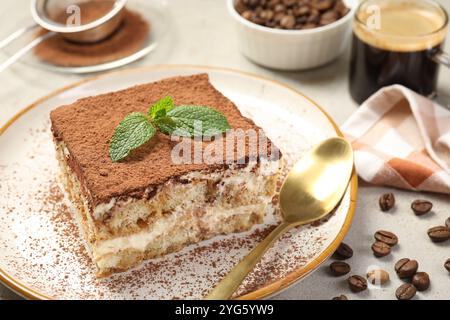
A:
{"x":312,"y":189}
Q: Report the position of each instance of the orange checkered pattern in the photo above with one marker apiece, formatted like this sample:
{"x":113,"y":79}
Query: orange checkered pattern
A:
{"x":401,"y":139}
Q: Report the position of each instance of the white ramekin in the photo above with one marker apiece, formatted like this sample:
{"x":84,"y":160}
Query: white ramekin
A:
{"x":293,"y":49}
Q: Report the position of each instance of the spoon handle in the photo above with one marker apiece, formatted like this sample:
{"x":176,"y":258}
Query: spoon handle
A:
{"x":19,"y":54}
{"x":228,"y":285}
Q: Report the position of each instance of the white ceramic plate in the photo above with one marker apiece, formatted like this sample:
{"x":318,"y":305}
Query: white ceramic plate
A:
{"x":42,"y":255}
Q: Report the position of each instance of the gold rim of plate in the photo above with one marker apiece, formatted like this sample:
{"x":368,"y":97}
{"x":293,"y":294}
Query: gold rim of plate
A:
{"x":270,"y":288}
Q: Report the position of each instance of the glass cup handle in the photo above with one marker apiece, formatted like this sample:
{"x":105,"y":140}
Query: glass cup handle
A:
{"x":441,"y":57}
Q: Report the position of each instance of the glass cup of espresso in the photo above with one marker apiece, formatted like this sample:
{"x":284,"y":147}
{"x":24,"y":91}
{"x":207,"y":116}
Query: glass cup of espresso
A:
{"x":397,"y":42}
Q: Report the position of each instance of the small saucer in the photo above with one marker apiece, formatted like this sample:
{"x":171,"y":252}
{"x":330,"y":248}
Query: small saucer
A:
{"x":155,"y":12}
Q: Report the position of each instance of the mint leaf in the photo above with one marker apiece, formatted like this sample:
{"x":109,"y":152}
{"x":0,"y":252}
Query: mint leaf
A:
{"x":195,"y":121}
{"x":165,"y":124}
{"x":132,"y":132}
{"x":160,"y":108}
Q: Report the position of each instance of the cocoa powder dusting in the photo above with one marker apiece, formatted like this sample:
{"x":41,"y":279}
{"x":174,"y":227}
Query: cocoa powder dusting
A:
{"x":126,"y":40}
{"x":87,"y":125}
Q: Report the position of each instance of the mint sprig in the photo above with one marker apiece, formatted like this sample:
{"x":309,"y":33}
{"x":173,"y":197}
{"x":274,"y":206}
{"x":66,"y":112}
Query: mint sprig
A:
{"x":132,"y":132}
{"x":138,"y":128}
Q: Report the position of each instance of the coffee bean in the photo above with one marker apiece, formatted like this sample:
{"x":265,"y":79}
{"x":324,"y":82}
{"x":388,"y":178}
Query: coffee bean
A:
{"x":314,"y":16}
{"x":272,"y":3}
{"x":309,"y":26}
{"x":339,"y":268}
{"x":405,"y":292}
{"x":447,"y":265}
{"x":439,"y":234}
{"x":378,"y":277}
{"x":447,"y":222}
{"x":386,"y":237}
{"x":240,"y":6}
{"x":341,"y":8}
{"x":287,"y":22}
{"x":302,"y":11}
{"x":251,"y":3}
{"x":323,"y":5}
{"x":357,"y":283}
{"x":248,"y":15}
{"x":266,"y":15}
{"x":343,"y":252}
{"x":421,"y":207}
{"x":406,"y":268}
{"x":279,"y":8}
{"x":421,"y":280}
{"x":328,"y":17}
{"x":341,"y":297}
{"x":380,"y":249}
{"x":387,"y":201}
{"x":289,"y":3}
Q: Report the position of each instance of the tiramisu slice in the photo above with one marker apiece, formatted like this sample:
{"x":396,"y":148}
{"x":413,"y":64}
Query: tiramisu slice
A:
{"x":148,"y":205}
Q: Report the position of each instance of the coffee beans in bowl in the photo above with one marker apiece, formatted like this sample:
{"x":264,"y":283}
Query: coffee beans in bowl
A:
{"x":292,"y":34}
{"x":406,"y":268}
{"x":421,"y":207}
{"x":291,"y":14}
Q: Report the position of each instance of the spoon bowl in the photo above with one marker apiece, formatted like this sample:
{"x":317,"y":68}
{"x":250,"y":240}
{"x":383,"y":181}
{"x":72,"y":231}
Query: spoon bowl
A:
{"x":311,"y":190}
{"x":317,"y":182}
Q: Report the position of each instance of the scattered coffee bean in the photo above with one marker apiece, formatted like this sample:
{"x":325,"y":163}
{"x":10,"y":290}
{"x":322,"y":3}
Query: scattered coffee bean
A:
{"x":339,"y":268}
{"x":343,"y":252}
{"x":357,"y":283}
{"x":387,"y":201}
{"x":406,"y":268}
{"x":405,"y":292}
{"x":378,"y":277}
{"x":421,"y":207}
{"x":381,"y":249}
{"x":447,"y":265}
{"x":291,"y":14}
{"x":439,"y":234}
{"x":421,"y":280}
{"x":386,"y":237}
{"x":447,"y":222}
{"x":341,"y":297}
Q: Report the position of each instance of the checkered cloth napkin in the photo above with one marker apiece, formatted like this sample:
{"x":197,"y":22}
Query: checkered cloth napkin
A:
{"x":401,"y":139}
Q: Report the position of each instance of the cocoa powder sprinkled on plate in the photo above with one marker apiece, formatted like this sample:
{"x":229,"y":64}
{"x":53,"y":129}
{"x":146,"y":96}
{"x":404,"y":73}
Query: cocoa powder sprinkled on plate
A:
{"x":126,"y":40}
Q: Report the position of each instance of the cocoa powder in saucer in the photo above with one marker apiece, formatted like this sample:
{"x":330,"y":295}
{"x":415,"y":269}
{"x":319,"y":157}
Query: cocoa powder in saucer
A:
{"x":126,"y":40}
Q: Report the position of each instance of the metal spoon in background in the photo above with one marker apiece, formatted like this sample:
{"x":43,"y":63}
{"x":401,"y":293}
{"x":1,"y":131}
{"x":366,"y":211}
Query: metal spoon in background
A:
{"x":312,"y":189}
{"x":85,"y":33}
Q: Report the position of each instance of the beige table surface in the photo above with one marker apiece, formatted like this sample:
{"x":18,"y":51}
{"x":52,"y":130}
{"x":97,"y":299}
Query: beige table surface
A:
{"x":202,"y":33}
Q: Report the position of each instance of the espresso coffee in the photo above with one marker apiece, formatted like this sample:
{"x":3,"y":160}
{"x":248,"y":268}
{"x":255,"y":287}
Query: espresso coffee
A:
{"x":398,"y":49}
